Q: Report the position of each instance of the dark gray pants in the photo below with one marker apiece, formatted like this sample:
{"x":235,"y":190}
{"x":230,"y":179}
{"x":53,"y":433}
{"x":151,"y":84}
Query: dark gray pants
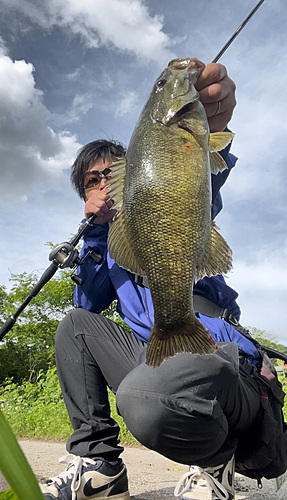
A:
{"x":192,"y":409}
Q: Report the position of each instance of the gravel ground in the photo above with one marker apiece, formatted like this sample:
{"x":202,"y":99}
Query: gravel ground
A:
{"x":151,"y":476}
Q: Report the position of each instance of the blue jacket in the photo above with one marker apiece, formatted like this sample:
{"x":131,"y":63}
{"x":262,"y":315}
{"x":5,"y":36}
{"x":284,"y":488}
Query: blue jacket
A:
{"x":106,"y":281}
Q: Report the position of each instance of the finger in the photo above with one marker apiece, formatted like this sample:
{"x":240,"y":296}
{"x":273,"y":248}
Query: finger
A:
{"x":109,"y":203}
{"x":219,"y":113}
{"x":99,"y":208}
{"x":217,"y":91}
{"x":226,"y":105}
{"x":218,"y":123}
{"x":212,"y":73}
{"x":107,"y":217}
{"x":95,"y":194}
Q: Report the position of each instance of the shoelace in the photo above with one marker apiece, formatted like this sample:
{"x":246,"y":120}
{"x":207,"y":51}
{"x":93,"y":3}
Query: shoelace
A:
{"x":73,"y":471}
{"x":188,"y":482}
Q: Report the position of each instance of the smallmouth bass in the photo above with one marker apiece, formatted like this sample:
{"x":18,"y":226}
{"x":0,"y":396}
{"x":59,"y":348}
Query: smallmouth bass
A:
{"x":162,"y":190}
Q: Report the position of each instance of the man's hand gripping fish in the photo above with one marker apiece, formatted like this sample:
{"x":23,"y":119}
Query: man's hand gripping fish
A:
{"x":162,"y":190}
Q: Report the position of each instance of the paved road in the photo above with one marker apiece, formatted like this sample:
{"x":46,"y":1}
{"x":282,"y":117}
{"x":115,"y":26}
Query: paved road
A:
{"x":151,"y":476}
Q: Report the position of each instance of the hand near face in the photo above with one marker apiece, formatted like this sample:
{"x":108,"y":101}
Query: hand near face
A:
{"x":215,"y":86}
{"x":98,"y":202}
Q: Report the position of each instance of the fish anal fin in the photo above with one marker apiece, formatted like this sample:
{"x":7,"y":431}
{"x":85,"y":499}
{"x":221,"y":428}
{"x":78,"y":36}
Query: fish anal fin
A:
{"x":194,"y":338}
{"x":119,"y":247}
{"x":218,"y":257}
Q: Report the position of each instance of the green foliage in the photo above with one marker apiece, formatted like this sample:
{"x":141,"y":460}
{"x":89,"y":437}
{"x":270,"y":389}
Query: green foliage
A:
{"x":8,"y":495}
{"x":262,"y":337}
{"x":283,"y":381}
{"x":37,"y":409}
{"x":111,"y":313}
{"x":29,"y":346}
{"x":14,"y":466}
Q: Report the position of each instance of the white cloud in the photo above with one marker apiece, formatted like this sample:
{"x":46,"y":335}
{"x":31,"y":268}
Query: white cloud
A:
{"x":30,"y":150}
{"x":126,"y":103}
{"x":81,"y":104}
{"x":262,"y":287}
{"x":259,"y":124}
{"x":74,"y":75}
{"x":122,"y":24}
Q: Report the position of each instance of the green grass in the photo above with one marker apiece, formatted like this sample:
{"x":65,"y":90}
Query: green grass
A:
{"x":37,"y":410}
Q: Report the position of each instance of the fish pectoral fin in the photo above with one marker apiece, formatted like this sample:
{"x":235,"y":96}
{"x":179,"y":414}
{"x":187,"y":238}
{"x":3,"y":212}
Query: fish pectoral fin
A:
{"x":119,"y":246}
{"x":219,"y":140}
{"x":194,"y":338}
{"x":192,"y":125}
{"x":116,"y":181}
{"x":218,"y":257}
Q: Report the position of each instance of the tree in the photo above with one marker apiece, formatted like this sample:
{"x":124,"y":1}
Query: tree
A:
{"x":29,"y":346}
{"x":262,"y":337}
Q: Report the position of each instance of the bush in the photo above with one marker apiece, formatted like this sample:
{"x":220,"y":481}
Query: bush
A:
{"x":29,"y":346}
{"x":37,"y":410}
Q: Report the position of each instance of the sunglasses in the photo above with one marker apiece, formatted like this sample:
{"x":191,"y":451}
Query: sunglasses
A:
{"x":92,"y":178}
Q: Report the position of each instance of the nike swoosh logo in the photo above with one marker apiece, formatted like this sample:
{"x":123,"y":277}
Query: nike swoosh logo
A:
{"x":89,"y":491}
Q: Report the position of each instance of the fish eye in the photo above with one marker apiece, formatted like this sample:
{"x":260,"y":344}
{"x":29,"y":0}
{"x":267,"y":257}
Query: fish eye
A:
{"x":161,"y":82}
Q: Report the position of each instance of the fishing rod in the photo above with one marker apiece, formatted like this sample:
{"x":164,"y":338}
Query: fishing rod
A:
{"x":236,"y":33}
{"x":62,"y":256}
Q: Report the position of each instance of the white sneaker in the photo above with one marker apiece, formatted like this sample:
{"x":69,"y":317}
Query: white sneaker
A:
{"x":86,"y":479}
{"x":210,"y":483}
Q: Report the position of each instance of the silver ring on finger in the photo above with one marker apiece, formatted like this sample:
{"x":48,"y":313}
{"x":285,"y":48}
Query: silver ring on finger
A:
{"x":218,"y":108}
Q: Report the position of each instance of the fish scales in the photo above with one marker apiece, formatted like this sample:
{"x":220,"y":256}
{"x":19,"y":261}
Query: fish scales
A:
{"x":167,"y":235}
{"x":163,"y":228}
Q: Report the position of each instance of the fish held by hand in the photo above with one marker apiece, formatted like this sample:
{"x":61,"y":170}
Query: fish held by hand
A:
{"x":162,"y":191}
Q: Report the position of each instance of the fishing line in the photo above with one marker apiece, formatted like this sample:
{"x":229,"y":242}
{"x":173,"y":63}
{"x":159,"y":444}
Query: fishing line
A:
{"x":237,"y":32}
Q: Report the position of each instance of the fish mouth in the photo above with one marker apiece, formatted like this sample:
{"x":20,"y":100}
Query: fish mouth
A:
{"x":177,"y":117}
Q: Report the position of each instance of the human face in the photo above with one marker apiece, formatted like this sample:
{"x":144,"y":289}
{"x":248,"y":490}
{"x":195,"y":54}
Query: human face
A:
{"x":97,"y":175}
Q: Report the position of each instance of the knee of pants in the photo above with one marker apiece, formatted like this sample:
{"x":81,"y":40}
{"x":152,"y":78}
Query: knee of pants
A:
{"x":65,"y":328}
{"x":159,"y":422}
{"x":71,"y":324}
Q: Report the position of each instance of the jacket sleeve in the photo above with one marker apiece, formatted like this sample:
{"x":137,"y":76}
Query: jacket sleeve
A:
{"x":97,"y":292}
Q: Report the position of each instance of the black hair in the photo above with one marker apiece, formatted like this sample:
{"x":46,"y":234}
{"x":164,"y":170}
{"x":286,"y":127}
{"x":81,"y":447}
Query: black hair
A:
{"x":92,"y":152}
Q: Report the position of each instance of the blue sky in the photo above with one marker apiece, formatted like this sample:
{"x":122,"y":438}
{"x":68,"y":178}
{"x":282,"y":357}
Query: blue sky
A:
{"x":72,"y":72}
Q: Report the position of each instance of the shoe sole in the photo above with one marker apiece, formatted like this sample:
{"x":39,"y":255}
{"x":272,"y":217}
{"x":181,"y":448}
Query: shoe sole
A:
{"x":120,"y":496}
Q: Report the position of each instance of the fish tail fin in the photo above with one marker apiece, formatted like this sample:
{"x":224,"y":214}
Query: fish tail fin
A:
{"x":194,"y":338}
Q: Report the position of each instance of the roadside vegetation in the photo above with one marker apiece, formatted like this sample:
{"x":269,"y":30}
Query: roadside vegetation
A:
{"x":30,"y":396}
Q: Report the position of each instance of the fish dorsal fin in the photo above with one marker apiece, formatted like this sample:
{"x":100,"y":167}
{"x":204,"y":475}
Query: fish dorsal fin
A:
{"x":118,"y":240}
{"x":119,"y":245}
{"x":217,"y":142}
{"x":116,"y":181}
{"x":217,"y":259}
